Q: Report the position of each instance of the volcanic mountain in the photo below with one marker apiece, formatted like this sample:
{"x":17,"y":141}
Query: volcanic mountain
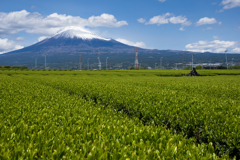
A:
{"x":64,"y":48}
{"x":66,"y":44}
{"x":75,"y":40}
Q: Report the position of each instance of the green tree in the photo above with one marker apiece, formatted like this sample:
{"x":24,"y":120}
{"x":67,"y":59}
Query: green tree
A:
{"x":198,"y":67}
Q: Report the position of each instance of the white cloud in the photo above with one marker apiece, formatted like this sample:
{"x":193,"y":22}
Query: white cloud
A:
{"x":170,"y":18}
{"x":141,"y":20}
{"x":106,"y":20}
{"x":228,"y":4}
{"x":161,"y":0}
{"x":7,"y":45}
{"x":36,"y":23}
{"x":206,"y":20}
{"x":187,"y":23}
{"x":41,"y":38}
{"x":215,"y":46}
{"x":219,"y":23}
{"x":20,"y":38}
{"x":216,"y":37}
{"x":219,"y":50}
{"x":178,"y":19}
{"x":160,"y":19}
{"x":236,"y":50}
{"x":214,"y":3}
{"x":137,"y":44}
{"x":199,"y":50}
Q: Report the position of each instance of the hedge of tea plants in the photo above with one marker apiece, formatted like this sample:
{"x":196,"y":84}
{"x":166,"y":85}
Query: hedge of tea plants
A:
{"x":204,"y":108}
{"x":41,"y":122}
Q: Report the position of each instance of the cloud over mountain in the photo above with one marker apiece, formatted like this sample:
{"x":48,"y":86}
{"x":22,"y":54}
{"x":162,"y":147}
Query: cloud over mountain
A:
{"x":215,"y":46}
{"x":7,"y":45}
{"x":14,"y":22}
{"x":236,"y":50}
{"x":137,"y":44}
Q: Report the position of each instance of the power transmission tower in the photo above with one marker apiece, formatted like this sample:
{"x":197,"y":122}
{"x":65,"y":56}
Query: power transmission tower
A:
{"x":99,"y":62}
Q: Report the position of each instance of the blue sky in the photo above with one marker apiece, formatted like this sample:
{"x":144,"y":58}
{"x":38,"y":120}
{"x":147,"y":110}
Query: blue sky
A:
{"x":194,"y":25}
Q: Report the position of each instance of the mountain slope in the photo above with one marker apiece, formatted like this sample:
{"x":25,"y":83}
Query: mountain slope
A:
{"x":66,"y":46}
{"x":75,"y":40}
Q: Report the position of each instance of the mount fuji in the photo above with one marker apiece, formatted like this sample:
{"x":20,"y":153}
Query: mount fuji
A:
{"x":64,"y":48}
{"x":74,"y":40}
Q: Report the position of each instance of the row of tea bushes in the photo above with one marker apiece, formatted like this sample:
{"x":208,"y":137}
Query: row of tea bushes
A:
{"x":41,"y":122}
{"x":199,"y":107}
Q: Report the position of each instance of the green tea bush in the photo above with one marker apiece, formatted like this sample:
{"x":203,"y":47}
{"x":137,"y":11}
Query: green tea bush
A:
{"x":38,"y":121}
{"x":198,"y":107}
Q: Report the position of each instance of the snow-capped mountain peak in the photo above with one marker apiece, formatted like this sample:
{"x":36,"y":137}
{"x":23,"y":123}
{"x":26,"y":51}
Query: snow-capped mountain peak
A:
{"x":77,"y":32}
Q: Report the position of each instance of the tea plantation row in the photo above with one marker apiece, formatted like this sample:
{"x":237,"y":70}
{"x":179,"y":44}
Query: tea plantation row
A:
{"x":203,"y":108}
{"x":38,"y":121}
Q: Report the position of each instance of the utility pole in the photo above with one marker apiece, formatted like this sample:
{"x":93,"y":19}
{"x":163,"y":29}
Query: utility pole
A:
{"x":106,"y":63}
{"x":226,"y":57}
{"x":45,"y":61}
{"x":80,"y":62}
{"x":182,"y":61}
{"x":36,"y":63}
{"x":192,"y":61}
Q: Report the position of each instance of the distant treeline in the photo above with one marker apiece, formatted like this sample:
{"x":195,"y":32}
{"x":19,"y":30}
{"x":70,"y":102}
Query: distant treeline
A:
{"x":133,"y":68}
{"x":219,"y":67}
{"x":13,"y":67}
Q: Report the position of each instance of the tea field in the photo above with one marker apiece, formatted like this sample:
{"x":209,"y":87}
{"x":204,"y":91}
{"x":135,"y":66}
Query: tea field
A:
{"x":158,"y":114}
